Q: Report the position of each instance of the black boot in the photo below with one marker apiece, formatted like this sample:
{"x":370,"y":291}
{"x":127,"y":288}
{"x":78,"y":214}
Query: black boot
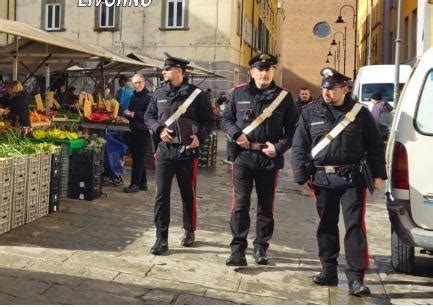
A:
{"x":237,"y":259}
{"x":357,"y":288}
{"x":131,"y":189}
{"x":260,"y":256}
{"x":188,"y":239}
{"x":160,"y":246}
{"x":144,"y":187}
{"x":326,"y":278}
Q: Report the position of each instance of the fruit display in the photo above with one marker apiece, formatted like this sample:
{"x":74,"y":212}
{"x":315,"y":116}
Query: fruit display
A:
{"x":99,"y":117}
{"x":4,"y":124}
{"x":37,"y":118}
{"x":54,"y":134}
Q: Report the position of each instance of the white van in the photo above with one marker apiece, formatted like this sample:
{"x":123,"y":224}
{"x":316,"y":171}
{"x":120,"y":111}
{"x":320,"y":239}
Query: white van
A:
{"x":381,"y":78}
{"x":410,"y":168}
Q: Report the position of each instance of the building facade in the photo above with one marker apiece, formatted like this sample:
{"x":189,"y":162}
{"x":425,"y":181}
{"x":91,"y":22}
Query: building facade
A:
{"x":7,"y":11}
{"x":219,"y":35}
{"x":415,"y":30}
{"x":306,"y":36}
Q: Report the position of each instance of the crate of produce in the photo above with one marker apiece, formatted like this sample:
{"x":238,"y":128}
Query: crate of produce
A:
{"x":45,"y":163}
{"x":70,"y":145}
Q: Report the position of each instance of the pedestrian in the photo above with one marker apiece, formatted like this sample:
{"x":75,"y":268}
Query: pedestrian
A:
{"x":124,"y":94}
{"x":381,"y":112}
{"x":334,"y":135}
{"x":139,"y":138}
{"x":60,"y":93}
{"x":304,"y":98}
{"x":260,"y":117}
{"x":17,"y":106}
{"x":181,"y":116}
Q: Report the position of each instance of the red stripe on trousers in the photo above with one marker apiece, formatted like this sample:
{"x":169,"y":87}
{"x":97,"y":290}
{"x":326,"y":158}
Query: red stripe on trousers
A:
{"x":194,"y":202}
{"x":364,"y":228}
{"x":233,"y":189}
{"x":277,"y":173}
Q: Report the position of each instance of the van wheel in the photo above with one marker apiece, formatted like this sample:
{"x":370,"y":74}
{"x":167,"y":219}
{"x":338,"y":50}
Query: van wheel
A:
{"x":402,"y":255}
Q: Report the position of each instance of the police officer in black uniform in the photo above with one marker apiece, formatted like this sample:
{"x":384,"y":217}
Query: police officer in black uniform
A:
{"x":336,"y":176}
{"x":177,"y":151}
{"x":259,"y":155}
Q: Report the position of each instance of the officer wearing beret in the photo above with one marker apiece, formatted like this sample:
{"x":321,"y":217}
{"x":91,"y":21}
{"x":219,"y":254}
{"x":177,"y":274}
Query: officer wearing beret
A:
{"x":334,"y":174}
{"x":259,"y":154}
{"x":177,"y":151}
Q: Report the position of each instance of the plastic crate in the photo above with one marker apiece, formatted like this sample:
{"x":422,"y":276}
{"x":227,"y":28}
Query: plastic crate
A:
{"x":64,"y":172}
{"x":31,"y":213}
{"x":18,"y":215}
{"x":45,"y":168}
{"x":34,"y":164}
{"x":5,"y":223}
{"x":20,"y":166}
{"x":53,"y":207}
{"x":43,"y":209}
{"x":6,"y":170}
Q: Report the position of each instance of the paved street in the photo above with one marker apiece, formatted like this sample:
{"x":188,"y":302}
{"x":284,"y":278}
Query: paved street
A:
{"x":98,"y":253}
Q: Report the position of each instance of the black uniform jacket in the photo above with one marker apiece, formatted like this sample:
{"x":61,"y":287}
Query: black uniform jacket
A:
{"x":358,"y":140}
{"x":19,"y":107}
{"x":165,"y":102}
{"x":245,"y":104}
{"x":139,"y":104}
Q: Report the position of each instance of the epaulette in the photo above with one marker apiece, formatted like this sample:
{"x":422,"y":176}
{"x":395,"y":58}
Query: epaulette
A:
{"x":240,"y":85}
{"x":308,"y":104}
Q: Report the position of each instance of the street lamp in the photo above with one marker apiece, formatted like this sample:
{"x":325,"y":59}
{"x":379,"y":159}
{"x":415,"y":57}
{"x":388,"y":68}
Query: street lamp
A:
{"x":334,"y":43}
{"x":336,"y":56}
{"x":340,"y":20}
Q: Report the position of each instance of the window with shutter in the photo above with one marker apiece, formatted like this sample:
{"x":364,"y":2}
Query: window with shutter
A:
{"x":174,"y":15}
{"x":53,"y":12}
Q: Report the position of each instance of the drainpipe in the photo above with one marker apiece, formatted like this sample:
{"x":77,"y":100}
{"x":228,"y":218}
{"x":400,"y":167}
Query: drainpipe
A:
{"x":397,"y":55}
{"x":370,"y":22}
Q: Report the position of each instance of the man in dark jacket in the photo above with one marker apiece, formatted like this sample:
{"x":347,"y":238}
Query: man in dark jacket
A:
{"x":304,"y":98}
{"x":139,"y":139}
{"x":334,"y":173}
{"x":177,"y":152}
{"x":259,"y":153}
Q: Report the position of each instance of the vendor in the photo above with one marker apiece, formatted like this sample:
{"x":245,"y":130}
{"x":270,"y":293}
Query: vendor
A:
{"x":17,"y":109}
{"x":71,"y":97}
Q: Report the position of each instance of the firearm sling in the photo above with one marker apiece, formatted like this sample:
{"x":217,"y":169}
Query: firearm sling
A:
{"x":348,"y":118}
{"x":182,"y":108}
{"x":267,"y":112}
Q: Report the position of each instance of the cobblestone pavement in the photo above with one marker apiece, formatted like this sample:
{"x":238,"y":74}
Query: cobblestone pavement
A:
{"x":98,"y":253}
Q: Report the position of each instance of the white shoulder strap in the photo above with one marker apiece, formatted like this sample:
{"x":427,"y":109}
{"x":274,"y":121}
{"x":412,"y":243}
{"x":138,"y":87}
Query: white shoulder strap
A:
{"x":267,"y":112}
{"x":182,"y":108}
{"x":348,"y":118}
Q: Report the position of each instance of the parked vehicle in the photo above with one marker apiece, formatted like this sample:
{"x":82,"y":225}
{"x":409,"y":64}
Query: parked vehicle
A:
{"x":381,"y":78}
{"x":409,"y":196}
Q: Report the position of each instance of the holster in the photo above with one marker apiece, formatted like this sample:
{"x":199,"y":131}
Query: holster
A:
{"x":232,"y":149}
{"x":368,"y":178}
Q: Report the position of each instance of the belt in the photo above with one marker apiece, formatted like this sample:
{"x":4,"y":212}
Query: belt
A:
{"x":332,"y":169}
{"x":257,"y":146}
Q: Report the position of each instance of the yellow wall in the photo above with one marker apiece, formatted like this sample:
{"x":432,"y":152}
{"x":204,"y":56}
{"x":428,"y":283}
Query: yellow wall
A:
{"x":364,"y":11}
{"x":6,"y":12}
{"x":253,"y":11}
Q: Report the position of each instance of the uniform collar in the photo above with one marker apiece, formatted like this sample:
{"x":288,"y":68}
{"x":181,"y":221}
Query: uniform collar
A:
{"x":252,"y":88}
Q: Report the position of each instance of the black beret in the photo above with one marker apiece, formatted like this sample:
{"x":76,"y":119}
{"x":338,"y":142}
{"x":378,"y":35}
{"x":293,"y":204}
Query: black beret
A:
{"x":332,"y":78}
{"x":263,"y":60}
{"x":170,"y":61}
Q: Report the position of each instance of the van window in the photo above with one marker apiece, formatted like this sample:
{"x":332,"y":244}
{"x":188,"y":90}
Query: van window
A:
{"x":386,"y":89}
{"x":425,"y":107}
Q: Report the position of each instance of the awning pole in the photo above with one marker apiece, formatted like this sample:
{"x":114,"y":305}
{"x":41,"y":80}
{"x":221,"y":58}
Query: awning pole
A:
{"x":15,"y":65}
{"x":47,"y":86}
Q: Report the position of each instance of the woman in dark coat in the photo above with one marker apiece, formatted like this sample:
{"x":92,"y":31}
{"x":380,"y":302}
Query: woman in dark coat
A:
{"x":17,"y":109}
